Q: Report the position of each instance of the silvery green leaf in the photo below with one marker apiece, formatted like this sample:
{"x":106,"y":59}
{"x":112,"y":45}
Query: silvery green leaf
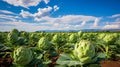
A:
{"x":65,"y":59}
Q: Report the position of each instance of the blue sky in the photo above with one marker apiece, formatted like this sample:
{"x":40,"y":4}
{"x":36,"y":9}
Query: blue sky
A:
{"x":34,"y":15}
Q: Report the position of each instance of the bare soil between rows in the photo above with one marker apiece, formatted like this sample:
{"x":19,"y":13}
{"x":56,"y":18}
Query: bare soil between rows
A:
{"x":7,"y":62}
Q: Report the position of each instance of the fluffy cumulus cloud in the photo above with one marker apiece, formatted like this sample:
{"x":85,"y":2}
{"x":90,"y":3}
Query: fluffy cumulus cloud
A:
{"x":42,"y":12}
{"x":23,"y":3}
{"x":25,"y":14}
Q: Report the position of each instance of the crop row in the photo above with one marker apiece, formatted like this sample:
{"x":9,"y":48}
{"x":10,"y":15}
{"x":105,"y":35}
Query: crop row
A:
{"x":60,"y":49}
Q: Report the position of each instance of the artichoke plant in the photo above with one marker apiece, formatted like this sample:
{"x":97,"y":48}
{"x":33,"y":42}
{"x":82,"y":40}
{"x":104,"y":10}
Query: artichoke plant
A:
{"x":56,"y":39}
{"x":72,"y":38}
{"x":14,"y":31}
{"x":43,"y":43}
{"x":80,"y":33}
{"x":84,"y":52}
{"x":22,"y":56}
{"x":12,"y":37}
{"x":110,"y":38}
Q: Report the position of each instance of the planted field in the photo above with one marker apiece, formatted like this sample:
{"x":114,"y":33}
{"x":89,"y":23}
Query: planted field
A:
{"x":60,"y":49}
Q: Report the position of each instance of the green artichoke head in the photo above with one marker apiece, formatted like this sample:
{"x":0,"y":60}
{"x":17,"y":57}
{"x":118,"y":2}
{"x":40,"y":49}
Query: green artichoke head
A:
{"x":56,"y":38}
{"x":12,"y":37}
{"x":22,"y":56}
{"x":110,"y":38}
{"x":43,"y":43}
{"x":72,"y":38}
{"x":84,"y":51}
{"x":14,"y":31}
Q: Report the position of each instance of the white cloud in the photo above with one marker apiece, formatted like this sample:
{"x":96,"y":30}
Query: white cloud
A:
{"x":111,"y":27}
{"x":67,"y":22}
{"x":45,"y":18}
{"x":22,"y":26}
{"x":42,"y":12}
{"x":83,"y":23}
{"x":8,"y":17}
{"x":114,"y":16}
{"x":68,"y":19}
{"x":56,"y":8}
{"x":25,"y":14}
{"x":6,"y":12}
{"x":96,"y":21}
{"x":76,"y":18}
{"x":23,"y":3}
{"x":46,"y":1}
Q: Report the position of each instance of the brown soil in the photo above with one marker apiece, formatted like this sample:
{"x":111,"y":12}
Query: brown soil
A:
{"x":54,"y":59}
{"x":116,"y":59}
{"x":6,"y":62}
{"x":109,"y":63}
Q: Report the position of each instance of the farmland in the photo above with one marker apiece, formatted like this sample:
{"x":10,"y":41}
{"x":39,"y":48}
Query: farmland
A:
{"x":58,"y":49}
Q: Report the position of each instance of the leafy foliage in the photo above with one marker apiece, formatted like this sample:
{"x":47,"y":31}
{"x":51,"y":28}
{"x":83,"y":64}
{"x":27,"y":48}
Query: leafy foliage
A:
{"x":38,"y":49}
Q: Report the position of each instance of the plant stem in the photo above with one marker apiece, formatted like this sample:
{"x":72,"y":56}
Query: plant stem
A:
{"x":81,"y":65}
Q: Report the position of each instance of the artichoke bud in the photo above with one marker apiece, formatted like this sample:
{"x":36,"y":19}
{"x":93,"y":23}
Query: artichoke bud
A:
{"x":56,"y":38}
{"x":22,"y":56}
{"x":110,"y":38}
{"x":12,"y":37}
{"x":84,"y":51}
{"x":14,"y":31}
{"x":43,"y":43}
{"x":72,"y":38}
